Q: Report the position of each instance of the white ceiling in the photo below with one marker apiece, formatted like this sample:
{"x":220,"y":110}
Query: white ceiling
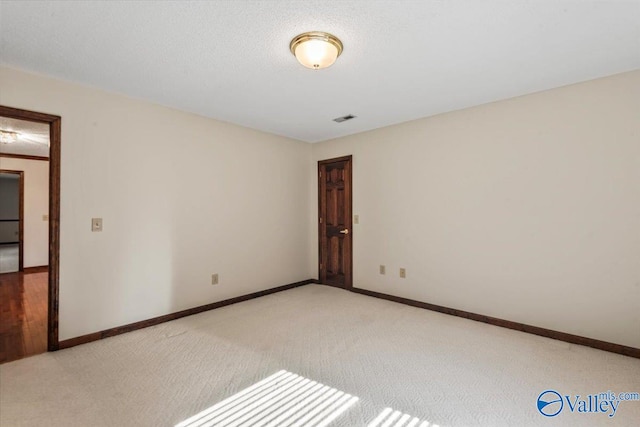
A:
{"x":33,"y":137}
{"x":402,"y":60}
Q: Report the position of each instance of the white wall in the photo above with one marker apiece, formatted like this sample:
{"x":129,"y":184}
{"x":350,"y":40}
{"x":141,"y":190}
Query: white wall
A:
{"x":526,"y":209}
{"x":181,"y":197}
{"x":36,"y":204}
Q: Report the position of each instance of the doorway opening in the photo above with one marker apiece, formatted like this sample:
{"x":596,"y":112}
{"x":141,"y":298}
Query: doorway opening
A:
{"x":29,"y":296}
{"x":11,"y":220}
{"x":335,"y":233}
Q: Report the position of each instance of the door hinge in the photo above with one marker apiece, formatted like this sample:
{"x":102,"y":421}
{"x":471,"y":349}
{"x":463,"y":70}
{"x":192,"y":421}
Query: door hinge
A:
{"x":320,"y":266}
{"x":320,"y":174}
{"x":320,"y":220}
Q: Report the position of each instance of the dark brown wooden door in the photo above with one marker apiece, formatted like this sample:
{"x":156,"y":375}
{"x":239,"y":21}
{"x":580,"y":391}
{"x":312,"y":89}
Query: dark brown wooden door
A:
{"x":334,"y":212}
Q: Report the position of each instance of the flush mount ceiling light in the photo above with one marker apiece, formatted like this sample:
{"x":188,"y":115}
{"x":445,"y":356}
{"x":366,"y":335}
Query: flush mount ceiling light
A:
{"x":316,"y":49}
{"x":8,"y":136}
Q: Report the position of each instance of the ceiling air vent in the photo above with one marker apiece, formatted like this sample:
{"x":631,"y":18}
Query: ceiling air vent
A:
{"x":344,"y":118}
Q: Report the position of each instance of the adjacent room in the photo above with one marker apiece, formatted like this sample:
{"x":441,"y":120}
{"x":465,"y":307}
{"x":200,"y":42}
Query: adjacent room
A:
{"x":10,"y":222}
{"x":320,"y":213}
{"x":24,"y":238}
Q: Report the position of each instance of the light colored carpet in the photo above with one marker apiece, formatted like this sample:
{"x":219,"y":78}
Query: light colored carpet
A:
{"x":401,"y":363}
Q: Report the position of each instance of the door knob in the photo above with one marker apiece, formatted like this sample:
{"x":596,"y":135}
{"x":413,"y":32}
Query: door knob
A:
{"x":345,"y":231}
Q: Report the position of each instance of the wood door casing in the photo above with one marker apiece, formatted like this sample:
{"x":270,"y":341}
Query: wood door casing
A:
{"x":335,"y":235}
{"x":55,"y":127}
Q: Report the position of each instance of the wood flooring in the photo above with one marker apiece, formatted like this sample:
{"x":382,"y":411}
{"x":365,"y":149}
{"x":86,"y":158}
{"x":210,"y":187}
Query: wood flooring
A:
{"x":23,"y":315}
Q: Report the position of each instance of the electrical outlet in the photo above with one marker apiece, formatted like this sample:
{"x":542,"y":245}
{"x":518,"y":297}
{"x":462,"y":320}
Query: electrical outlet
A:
{"x":214,"y":279}
{"x":403,"y":273}
{"x":96,"y":224}
{"x":383,"y":269}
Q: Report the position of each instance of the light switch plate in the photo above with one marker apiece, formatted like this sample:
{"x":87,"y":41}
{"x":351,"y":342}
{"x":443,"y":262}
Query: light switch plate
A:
{"x":45,"y":217}
{"x":383,"y":269}
{"x":214,"y":279}
{"x":356,"y":219}
{"x":403,"y":273}
{"x":96,"y":224}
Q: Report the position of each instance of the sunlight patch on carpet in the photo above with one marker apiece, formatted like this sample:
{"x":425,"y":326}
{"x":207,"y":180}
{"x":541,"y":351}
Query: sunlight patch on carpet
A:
{"x":390,"y":418}
{"x":283,"y":399}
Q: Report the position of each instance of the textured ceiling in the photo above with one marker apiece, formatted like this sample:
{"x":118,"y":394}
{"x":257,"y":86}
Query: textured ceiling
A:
{"x":33,"y":139}
{"x":402,"y":60}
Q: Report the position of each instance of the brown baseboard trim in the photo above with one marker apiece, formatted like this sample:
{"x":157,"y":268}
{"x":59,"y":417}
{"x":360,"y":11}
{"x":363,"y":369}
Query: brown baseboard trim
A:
{"x":39,"y":269}
{"x":548,"y":333}
{"x":72,"y":342}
